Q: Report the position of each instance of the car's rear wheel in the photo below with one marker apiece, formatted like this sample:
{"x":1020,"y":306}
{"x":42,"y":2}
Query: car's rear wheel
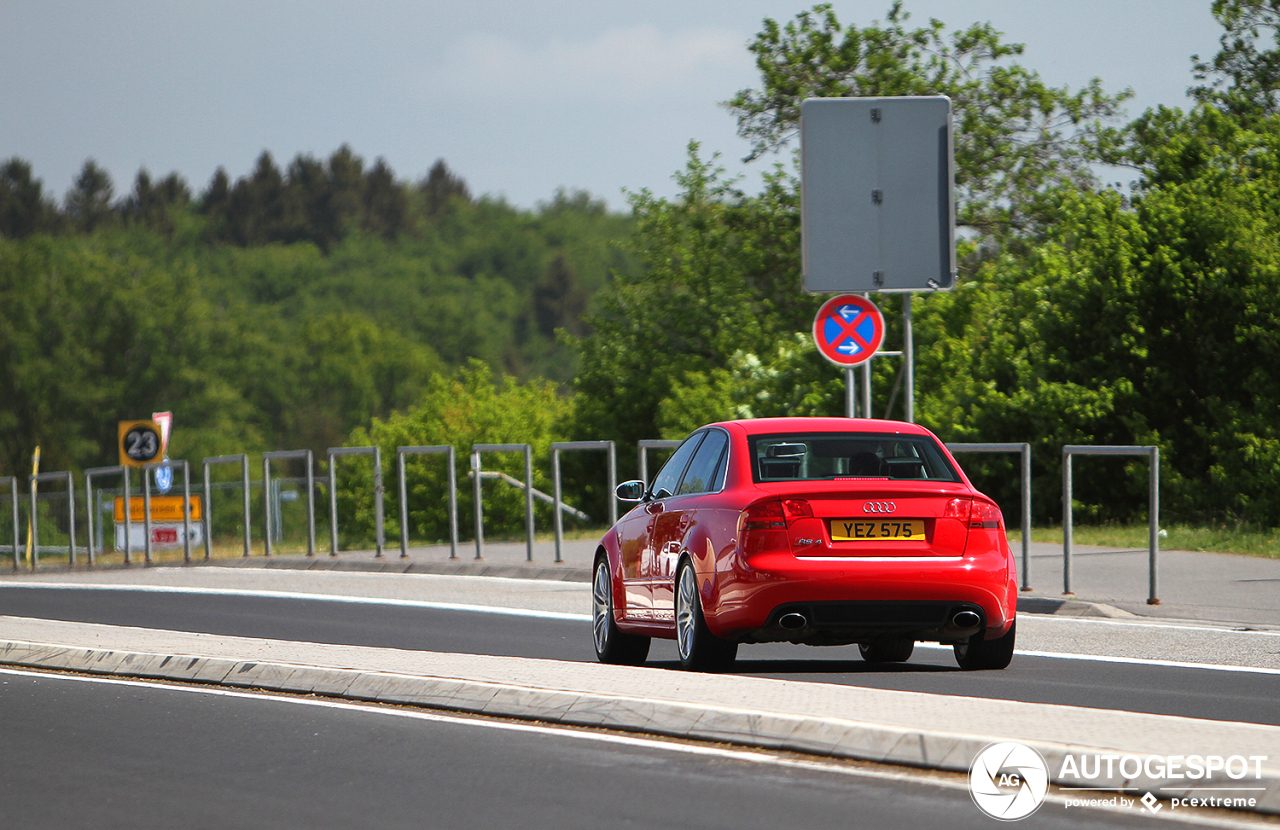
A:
{"x":612,"y":644}
{"x":986,"y":654}
{"x":888,"y":650}
{"x":699,"y":649}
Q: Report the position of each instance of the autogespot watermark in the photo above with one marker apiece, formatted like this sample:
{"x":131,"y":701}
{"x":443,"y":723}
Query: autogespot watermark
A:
{"x":1009,"y":781}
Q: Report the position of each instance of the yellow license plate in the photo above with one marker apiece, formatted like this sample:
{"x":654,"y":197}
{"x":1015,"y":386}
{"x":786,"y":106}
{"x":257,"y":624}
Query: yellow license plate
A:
{"x":878,"y":530}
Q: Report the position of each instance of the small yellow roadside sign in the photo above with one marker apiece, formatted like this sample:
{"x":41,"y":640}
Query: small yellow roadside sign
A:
{"x":163,"y":509}
{"x":140,"y":443}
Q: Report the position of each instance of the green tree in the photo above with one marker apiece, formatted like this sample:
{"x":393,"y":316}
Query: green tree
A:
{"x":88,"y":202}
{"x":467,"y":407}
{"x":24,"y":209}
{"x":441,"y":187}
{"x":1145,"y":323}
{"x":1015,"y":136}
{"x":152,"y":204}
{"x":688,"y":311}
{"x":1243,"y":79}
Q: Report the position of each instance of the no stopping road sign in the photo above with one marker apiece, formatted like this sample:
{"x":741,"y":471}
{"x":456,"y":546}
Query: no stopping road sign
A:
{"x":848,"y":330}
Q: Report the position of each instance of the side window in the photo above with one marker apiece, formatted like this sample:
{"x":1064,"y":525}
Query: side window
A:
{"x":702,"y":470}
{"x":664,"y":484}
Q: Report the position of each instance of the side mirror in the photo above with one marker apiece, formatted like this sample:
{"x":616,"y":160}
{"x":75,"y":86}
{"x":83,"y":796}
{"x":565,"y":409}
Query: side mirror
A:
{"x":630,"y":490}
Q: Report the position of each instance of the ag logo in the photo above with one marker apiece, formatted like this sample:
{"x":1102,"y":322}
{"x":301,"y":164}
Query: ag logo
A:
{"x":1008,"y":781}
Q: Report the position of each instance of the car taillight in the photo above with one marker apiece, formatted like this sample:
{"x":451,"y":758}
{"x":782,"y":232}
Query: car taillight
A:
{"x":977,"y":515}
{"x":985,"y":515}
{"x":958,"y":509}
{"x":796,"y":509}
{"x":773,"y":515}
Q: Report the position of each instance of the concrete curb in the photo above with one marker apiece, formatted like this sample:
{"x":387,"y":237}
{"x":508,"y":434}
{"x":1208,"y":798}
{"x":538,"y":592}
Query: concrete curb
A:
{"x":822,"y":736}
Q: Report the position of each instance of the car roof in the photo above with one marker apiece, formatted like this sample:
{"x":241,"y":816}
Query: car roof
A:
{"x":765,"y":426}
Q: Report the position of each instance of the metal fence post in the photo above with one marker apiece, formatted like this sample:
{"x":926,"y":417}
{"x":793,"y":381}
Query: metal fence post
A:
{"x":1067,"y":532}
{"x":557,"y":507}
{"x":306,"y":455}
{"x":35,"y":517}
{"x":451,"y":457}
{"x":376,"y":452}
{"x":1153,"y":524}
{"x":1024,"y":488}
{"x":527,"y":449}
{"x":557,"y":520}
{"x":146,"y":515}
{"x":208,"y":511}
{"x":128,"y":520}
{"x":88,"y":504}
{"x":1153,"y":508}
{"x":186,"y":509}
{"x":13,"y":499}
{"x":479,"y":508}
{"x":206,"y":463}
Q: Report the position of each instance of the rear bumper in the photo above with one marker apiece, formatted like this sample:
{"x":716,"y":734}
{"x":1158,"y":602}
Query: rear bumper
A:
{"x":847,"y":600}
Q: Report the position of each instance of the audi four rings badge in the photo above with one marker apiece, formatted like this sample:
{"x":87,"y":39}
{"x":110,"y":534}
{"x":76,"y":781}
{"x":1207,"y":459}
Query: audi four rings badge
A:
{"x":878,"y":507}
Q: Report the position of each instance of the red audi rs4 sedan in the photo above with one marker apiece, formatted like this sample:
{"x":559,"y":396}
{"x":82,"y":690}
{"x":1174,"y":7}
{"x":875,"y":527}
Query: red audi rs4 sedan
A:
{"x":822,"y":531}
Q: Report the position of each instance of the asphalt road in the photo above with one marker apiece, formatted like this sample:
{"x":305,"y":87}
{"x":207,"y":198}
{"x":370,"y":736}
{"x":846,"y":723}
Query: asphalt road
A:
{"x":102,"y":753}
{"x":1208,"y":693}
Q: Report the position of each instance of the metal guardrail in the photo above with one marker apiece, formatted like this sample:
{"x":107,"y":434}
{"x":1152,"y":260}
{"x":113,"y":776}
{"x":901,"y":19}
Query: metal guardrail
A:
{"x":243,"y":460}
{"x":376,"y":452}
{"x":560,"y":446}
{"x":186,"y":506}
{"x":32,"y":481}
{"x":12,"y":481}
{"x":527,"y":449}
{"x":267,"y":458}
{"x":1024,"y":489}
{"x":643,"y":447}
{"x":451,"y":459}
{"x":89,"y":475}
{"x":1153,"y":508}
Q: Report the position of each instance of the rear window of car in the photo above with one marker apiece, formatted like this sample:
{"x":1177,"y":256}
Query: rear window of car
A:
{"x":828,"y":456}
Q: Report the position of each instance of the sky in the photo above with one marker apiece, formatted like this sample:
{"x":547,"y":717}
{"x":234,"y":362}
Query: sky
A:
{"x":519,"y":98}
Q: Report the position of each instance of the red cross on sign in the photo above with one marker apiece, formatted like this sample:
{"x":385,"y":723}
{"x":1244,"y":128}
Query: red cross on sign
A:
{"x":848,"y":330}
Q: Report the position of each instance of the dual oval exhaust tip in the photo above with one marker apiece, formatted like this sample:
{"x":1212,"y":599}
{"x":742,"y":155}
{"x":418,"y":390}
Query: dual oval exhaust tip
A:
{"x":962,"y":619}
{"x":793,"y":621}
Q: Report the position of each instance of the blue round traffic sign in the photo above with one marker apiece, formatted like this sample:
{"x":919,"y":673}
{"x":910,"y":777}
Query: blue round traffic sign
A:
{"x":164,"y":477}
{"x":848,"y":330}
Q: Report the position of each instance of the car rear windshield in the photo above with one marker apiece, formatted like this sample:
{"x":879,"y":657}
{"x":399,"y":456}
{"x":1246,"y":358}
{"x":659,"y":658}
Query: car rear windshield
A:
{"x":829,"y":456}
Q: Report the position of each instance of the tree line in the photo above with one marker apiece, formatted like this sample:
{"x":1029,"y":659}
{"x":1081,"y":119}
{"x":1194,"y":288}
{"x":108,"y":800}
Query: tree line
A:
{"x":281,"y":310}
{"x":318,"y":304}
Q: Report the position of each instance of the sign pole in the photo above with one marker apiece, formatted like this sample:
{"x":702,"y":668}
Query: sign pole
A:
{"x":847,"y":331}
{"x":866,"y":389}
{"x":909,"y":358}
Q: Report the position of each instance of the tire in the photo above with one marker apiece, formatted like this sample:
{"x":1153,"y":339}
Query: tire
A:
{"x":613,"y":645}
{"x":888,"y":650}
{"x":986,"y":654}
{"x":699,"y":649}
